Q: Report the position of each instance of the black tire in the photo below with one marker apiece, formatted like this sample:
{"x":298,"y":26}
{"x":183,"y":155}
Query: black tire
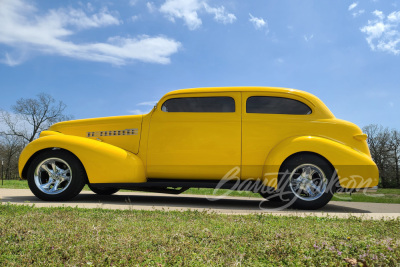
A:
{"x":59,"y":182}
{"x":104,"y":191}
{"x":306,"y":181}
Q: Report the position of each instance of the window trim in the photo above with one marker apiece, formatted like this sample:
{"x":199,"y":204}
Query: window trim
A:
{"x":284,"y":97}
{"x":201,"y":112}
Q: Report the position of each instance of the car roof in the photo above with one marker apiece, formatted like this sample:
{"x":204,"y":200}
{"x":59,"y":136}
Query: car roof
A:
{"x":242,"y":89}
{"x":279,"y":90}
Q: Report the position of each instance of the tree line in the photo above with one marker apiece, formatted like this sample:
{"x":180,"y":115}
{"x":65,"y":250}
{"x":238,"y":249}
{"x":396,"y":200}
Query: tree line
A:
{"x":384,"y":145}
{"x":30,"y":116}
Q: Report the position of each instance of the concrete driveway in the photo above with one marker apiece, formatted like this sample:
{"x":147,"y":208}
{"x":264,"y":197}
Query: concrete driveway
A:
{"x":227,"y":205}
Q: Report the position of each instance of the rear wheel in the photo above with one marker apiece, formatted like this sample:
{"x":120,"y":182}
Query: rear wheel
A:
{"x":56,"y":175}
{"x":105,"y":191}
{"x":307,"y":181}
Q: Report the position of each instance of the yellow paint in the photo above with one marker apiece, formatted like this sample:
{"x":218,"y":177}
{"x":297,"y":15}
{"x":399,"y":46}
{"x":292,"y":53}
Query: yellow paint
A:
{"x":354,"y":168}
{"x":109,"y":124}
{"x":208,"y":145}
{"x":194,"y":145}
{"x":104,"y":163}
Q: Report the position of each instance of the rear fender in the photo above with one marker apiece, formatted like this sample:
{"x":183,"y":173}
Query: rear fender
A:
{"x":354,"y":168}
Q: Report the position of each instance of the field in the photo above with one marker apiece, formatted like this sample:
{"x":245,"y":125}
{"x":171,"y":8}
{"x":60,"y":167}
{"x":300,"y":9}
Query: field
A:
{"x":72,"y":236}
{"x":381,"y":196}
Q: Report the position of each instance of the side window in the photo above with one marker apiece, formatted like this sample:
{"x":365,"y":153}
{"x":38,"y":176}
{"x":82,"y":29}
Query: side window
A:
{"x":276,"y":105}
{"x":199,"y":104}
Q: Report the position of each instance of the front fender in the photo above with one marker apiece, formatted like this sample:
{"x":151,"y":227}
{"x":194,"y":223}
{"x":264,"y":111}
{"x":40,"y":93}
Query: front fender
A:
{"x":104,"y":163}
{"x":354,"y":168}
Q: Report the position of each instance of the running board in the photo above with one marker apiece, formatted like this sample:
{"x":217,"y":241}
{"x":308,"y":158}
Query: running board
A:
{"x":164,"y":185}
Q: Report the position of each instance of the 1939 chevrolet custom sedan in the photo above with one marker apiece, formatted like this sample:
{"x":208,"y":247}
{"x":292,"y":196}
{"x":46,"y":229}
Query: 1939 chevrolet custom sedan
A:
{"x":282,"y":143}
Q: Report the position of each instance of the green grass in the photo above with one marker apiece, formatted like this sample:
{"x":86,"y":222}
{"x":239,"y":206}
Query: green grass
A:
{"x":383,"y":195}
{"x":15,"y":184}
{"x":21,"y":184}
{"x":72,"y":236}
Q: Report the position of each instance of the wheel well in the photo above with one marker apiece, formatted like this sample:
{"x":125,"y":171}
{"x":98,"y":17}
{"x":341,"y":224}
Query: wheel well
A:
{"x":28,"y":163}
{"x":305,"y":153}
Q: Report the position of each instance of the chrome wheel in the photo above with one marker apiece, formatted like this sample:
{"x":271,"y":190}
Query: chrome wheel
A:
{"x":308,"y":182}
{"x":53,"y":176}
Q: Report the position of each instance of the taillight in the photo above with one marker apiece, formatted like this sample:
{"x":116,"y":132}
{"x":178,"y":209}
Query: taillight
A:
{"x":360,"y":137}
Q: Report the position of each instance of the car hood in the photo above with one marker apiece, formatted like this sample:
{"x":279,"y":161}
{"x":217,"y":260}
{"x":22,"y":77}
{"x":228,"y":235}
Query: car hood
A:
{"x":121,"y":131}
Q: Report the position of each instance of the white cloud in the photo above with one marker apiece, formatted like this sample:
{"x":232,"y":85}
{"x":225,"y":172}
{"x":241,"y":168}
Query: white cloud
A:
{"x":140,"y":111}
{"x":90,"y":7}
{"x":188,"y":11}
{"x":133,"y":2}
{"x":183,"y":9}
{"x":279,"y":61}
{"x":258,"y":23}
{"x":23,"y":29}
{"x":394,"y":17}
{"x":308,"y":38}
{"x":80,"y":19}
{"x":352,"y":6}
{"x":383,"y":32}
{"x":379,"y":14}
{"x":12,"y":61}
{"x":151,"y":7}
{"x":220,"y":15}
{"x":358,"y":13}
{"x":136,"y":112}
{"x":134,"y":18}
{"x":148,"y":103}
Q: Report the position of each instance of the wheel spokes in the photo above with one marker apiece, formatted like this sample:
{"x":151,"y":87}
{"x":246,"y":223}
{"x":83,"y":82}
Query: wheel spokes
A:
{"x":310,"y":183}
{"x":46,"y":169}
{"x":55,"y":186}
{"x":53,"y":176}
{"x":48,"y":184}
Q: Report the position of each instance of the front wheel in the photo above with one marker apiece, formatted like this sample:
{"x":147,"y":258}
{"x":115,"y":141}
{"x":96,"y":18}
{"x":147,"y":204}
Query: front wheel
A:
{"x":307,"y":181}
{"x":56,"y":175}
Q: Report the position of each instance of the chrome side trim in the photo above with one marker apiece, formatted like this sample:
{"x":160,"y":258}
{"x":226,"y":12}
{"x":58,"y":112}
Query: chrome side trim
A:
{"x":113,"y":133}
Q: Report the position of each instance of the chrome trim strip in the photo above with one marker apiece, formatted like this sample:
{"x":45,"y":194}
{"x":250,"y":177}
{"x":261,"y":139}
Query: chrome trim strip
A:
{"x":113,"y":133}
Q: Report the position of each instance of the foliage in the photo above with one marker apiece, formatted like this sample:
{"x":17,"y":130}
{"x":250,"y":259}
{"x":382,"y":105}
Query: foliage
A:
{"x":384,"y":145}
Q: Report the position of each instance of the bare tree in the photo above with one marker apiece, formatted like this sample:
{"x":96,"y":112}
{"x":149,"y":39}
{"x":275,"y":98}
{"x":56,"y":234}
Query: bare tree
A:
{"x":379,"y":145}
{"x":11,"y":146}
{"x":32,"y":115}
{"x":395,"y":149}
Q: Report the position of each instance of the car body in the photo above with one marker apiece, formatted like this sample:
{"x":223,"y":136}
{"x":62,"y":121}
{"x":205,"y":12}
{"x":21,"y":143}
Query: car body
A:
{"x":202,"y":137}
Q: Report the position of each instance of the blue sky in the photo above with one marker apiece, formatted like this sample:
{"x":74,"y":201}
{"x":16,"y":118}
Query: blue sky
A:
{"x":106,"y":58}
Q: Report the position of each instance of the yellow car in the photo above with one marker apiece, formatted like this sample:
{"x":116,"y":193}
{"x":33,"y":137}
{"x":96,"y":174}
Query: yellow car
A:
{"x":282,"y":143}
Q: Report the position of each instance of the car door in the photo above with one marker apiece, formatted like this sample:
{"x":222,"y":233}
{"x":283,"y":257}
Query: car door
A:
{"x":195,"y":136}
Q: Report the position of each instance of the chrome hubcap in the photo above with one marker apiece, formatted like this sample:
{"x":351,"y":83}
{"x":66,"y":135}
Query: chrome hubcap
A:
{"x":52,"y":176}
{"x":308,"y":182}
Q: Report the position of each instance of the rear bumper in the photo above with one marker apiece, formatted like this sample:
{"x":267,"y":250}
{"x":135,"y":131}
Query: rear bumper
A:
{"x":357,"y":177}
{"x":363,"y":173}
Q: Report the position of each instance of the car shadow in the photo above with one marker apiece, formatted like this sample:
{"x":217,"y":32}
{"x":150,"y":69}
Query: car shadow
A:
{"x":236,"y":205}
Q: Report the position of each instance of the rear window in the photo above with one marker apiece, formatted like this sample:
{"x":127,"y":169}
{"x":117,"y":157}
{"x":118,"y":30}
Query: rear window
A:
{"x":199,"y":104}
{"x":276,"y":105}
